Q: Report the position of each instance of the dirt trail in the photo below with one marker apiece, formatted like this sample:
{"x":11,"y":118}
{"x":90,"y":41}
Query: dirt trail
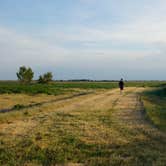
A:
{"x":130,"y":115}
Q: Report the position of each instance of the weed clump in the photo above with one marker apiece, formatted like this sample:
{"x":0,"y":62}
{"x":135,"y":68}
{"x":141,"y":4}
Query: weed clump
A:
{"x":18,"y":107}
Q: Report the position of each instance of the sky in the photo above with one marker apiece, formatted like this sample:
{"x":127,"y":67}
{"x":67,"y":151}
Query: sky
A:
{"x":84,"y":39}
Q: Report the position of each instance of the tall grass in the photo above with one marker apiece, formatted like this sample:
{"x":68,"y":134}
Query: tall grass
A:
{"x":155,"y":107}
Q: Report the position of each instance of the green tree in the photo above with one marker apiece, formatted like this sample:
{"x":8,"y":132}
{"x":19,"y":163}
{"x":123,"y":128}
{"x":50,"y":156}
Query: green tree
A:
{"x":25,"y":75}
{"x":45,"y":78}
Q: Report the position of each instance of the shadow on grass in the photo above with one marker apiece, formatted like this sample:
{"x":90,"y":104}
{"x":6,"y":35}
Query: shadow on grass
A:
{"x":20,"y":106}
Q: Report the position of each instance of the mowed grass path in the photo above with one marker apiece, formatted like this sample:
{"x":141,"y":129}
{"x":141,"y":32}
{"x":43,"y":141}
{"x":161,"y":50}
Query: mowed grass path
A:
{"x":100,"y":128}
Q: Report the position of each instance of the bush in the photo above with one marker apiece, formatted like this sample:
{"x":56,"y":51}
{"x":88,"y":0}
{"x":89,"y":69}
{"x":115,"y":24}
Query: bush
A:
{"x":45,"y":78}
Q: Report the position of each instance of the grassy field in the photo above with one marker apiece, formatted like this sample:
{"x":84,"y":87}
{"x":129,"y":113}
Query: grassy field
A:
{"x":155,"y":107}
{"x":56,"y":88}
{"x":82,"y":123}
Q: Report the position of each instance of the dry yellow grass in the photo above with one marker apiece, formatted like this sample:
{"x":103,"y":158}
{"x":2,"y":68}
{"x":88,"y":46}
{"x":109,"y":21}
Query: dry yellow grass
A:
{"x":104,"y":127}
{"x":9,"y":100}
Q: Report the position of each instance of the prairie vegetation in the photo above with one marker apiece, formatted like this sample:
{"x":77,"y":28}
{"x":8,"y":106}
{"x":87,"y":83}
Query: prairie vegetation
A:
{"x":56,"y":88}
{"x":155,"y":107}
{"x":82,"y":123}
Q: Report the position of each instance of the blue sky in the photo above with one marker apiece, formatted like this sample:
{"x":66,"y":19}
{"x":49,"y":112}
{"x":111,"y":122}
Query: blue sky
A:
{"x":78,"y":39}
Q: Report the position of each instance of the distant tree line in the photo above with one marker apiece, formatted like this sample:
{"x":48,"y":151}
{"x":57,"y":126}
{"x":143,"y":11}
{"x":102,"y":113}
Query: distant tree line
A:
{"x":25,"y":75}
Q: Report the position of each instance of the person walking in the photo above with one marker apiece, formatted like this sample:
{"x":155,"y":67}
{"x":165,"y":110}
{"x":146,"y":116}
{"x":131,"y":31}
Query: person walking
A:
{"x":121,"y":85}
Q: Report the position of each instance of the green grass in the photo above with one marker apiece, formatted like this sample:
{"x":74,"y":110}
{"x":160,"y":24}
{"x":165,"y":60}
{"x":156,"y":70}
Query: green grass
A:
{"x":15,"y":87}
{"x":51,"y":89}
{"x":155,"y":107}
{"x":61,"y":87}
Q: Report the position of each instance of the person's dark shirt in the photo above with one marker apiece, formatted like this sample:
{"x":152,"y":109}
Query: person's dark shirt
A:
{"x":121,"y":84}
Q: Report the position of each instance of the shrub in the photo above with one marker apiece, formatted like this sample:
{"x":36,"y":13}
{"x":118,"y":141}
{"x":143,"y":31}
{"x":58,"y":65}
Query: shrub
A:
{"x":18,"y":107}
{"x":45,"y":78}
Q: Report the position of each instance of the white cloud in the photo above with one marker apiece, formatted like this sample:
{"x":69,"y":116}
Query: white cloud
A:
{"x":141,"y":32}
{"x":22,"y":49}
